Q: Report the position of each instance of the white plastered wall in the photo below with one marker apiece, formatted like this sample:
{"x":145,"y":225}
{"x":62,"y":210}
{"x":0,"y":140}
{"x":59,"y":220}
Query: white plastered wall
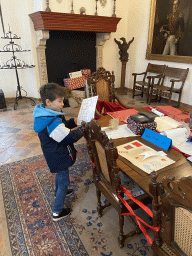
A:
{"x":134,"y":23}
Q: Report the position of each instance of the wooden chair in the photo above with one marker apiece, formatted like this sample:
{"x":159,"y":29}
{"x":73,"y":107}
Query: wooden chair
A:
{"x":161,"y":90}
{"x":143,"y":86}
{"x":172,"y":209}
{"x":106,"y":175}
{"x":101,"y":83}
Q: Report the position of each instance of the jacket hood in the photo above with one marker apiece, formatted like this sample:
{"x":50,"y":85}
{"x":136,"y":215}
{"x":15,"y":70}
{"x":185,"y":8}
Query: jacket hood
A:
{"x":43,"y":117}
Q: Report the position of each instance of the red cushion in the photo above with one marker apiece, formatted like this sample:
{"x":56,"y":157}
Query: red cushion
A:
{"x":108,"y":107}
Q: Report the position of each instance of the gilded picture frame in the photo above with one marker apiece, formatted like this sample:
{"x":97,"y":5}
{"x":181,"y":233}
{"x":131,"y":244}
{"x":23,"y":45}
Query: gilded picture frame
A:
{"x":160,"y":10}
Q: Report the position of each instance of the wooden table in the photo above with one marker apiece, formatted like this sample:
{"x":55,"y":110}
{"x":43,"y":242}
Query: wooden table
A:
{"x":181,"y":168}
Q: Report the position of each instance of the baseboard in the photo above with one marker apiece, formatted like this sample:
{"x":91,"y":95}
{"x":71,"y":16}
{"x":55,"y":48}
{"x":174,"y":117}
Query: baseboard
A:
{"x":182,"y":105}
{"x":13,"y":99}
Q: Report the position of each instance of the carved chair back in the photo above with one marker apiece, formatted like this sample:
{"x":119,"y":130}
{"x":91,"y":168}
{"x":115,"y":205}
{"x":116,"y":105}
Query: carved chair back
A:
{"x":101,"y":83}
{"x":103,"y":155}
{"x":172,"y":209}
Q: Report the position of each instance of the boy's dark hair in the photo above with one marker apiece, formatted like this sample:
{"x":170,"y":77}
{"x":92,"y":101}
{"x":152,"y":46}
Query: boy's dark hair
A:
{"x":51,"y":91}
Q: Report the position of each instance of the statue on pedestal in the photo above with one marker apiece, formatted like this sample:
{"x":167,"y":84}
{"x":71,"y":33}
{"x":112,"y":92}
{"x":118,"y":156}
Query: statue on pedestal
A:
{"x":124,"y":56}
{"x":123,"y":48}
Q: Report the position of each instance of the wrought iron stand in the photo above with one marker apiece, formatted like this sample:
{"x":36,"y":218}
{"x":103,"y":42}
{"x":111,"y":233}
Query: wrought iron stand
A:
{"x":15,"y":63}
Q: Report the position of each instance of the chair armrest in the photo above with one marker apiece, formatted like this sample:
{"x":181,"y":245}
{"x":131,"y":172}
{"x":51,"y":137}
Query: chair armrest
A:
{"x":158,"y":76}
{"x":174,"y":80}
{"x":135,"y":74}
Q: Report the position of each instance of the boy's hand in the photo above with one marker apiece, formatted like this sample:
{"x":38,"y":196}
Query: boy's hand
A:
{"x":75,"y":120}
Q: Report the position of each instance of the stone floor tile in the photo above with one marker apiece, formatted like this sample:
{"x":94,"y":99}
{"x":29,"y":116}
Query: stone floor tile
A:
{"x":32,"y":146}
{"x":9,"y":142}
{"x":11,"y":150}
{"x":21,"y":143}
{"x":23,"y":152}
{"x":35,"y":139}
{"x":17,"y":136}
{"x":4,"y":137}
{"x":4,"y":157}
{"x":24,"y":131}
{"x":28,"y":137}
{"x":21,"y":126}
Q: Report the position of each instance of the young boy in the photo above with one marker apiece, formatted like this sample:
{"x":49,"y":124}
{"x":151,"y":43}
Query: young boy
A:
{"x":56,"y":142}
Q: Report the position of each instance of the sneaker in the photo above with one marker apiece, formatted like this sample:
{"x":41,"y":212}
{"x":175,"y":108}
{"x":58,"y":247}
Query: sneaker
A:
{"x":64,"y":213}
{"x":69,"y":192}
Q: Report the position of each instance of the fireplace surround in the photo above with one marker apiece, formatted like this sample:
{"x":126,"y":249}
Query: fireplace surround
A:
{"x":45,"y":21}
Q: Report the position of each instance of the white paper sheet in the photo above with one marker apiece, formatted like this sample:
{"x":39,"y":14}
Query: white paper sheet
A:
{"x":122,"y":132}
{"x":186,"y":148}
{"x":87,"y":110}
{"x":133,"y":152}
{"x":178,"y":135}
{"x":166,"y":123}
{"x":148,"y":154}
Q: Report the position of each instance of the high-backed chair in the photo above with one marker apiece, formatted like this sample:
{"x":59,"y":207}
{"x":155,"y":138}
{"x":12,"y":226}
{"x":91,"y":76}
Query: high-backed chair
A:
{"x":167,"y":88}
{"x":172,"y":209}
{"x":143,"y":86}
{"x":106,"y":175}
{"x":101,"y":83}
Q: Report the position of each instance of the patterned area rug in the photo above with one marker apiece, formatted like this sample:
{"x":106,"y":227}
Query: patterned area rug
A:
{"x":28,"y":192}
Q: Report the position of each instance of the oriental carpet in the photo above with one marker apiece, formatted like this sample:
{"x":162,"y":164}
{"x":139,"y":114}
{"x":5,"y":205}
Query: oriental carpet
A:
{"x":28,"y":195}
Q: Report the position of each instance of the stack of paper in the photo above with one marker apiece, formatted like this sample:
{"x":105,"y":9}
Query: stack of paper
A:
{"x":166,"y":123}
{"x":122,"y":132}
{"x":178,"y":136}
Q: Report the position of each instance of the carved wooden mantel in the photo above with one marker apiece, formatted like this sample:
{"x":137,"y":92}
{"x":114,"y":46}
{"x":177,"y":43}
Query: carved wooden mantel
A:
{"x":73,"y":22}
{"x":45,"y":21}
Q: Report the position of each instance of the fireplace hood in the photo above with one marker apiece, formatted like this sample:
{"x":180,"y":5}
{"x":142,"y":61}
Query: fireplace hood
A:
{"x":73,"y":22}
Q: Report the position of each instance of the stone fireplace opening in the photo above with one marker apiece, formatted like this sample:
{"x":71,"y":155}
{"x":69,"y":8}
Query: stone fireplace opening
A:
{"x":69,"y":51}
{"x":45,"y":23}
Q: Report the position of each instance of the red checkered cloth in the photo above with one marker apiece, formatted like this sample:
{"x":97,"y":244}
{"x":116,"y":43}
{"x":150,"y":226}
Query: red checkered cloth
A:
{"x":174,"y":113}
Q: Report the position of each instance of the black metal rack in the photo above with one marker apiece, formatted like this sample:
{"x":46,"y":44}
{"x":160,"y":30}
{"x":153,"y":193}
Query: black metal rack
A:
{"x":15,"y":63}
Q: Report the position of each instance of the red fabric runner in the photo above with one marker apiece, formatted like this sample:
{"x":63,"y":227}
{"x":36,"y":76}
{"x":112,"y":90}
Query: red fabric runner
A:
{"x":138,"y":219}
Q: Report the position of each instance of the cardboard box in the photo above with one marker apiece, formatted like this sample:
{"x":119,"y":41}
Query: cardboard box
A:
{"x":86,"y":72}
{"x":138,"y":128}
{"x":75,"y":74}
{"x":78,"y":93}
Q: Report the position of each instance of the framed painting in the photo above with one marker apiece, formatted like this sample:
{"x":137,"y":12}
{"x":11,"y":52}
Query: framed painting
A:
{"x":170,"y":31}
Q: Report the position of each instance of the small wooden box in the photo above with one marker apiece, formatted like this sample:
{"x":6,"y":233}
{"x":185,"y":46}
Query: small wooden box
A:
{"x":2,"y":100}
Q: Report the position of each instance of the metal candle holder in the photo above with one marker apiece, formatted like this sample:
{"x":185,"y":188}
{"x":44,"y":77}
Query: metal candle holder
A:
{"x":47,"y":8}
{"x":15,"y":63}
{"x":96,"y":8}
{"x":114,"y":8}
{"x":72,"y":11}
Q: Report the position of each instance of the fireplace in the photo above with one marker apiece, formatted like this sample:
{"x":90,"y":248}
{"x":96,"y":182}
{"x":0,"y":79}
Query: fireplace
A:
{"x":45,"y":23}
{"x":69,"y":51}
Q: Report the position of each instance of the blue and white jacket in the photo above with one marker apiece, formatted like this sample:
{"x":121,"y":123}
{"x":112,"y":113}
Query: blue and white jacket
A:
{"x":56,"y":137}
